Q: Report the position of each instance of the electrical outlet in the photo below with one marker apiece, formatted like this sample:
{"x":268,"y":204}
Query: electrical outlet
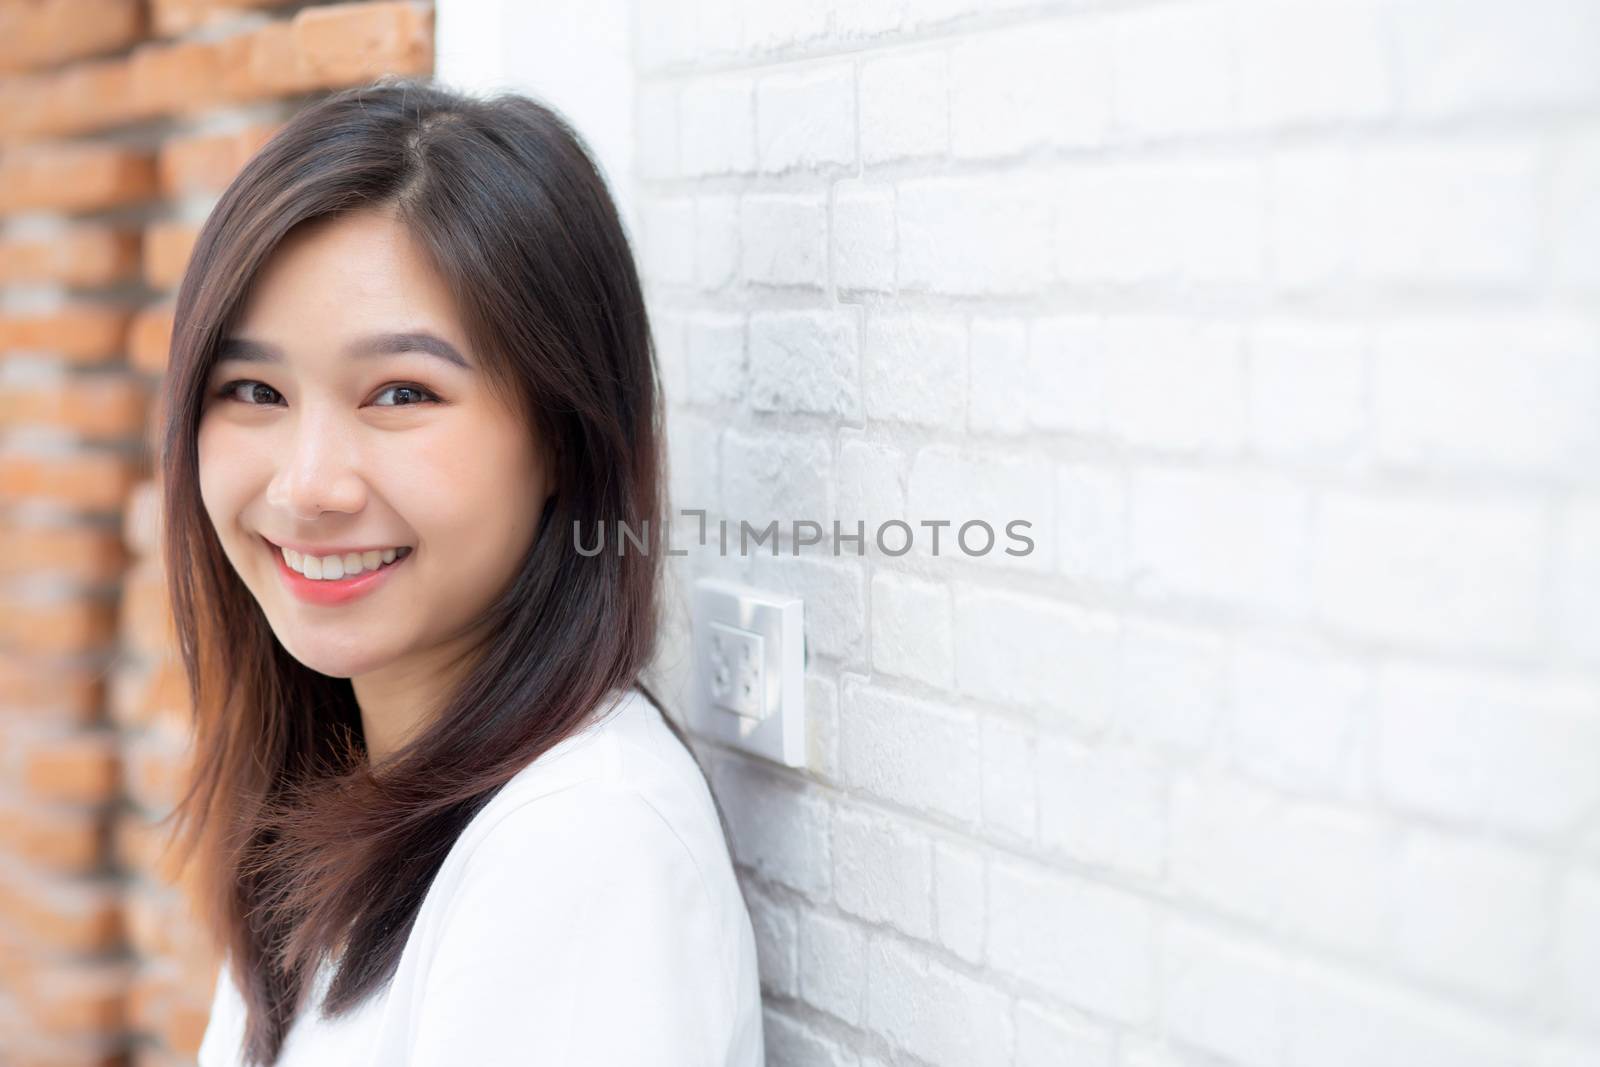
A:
{"x":749,"y":654}
{"x":738,"y":670}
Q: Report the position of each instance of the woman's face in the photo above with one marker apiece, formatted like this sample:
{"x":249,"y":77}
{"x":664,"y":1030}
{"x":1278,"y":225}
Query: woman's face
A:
{"x":319,"y":435}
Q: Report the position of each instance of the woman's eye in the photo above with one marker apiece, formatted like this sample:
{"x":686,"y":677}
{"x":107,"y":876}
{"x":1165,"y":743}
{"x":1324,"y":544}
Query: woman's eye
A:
{"x":227,"y":392}
{"x":260,"y":391}
{"x":416,"y":391}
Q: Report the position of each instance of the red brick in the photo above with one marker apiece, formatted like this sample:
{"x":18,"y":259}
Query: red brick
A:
{"x":167,"y":245}
{"x":60,"y":913}
{"x":83,"y":255}
{"x":82,"y":98}
{"x":76,"y":767}
{"x":147,"y":625}
{"x":150,"y":337}
{"x":56,"y":625}
{"x":75,"y":177}
{"x":82,"y":333}
{"x":53,"y":31}
{"x":349,"y":43}
{"x":85,"y":554}
{"x":86,"y":481}
{"x":95,"y":407}
{"x":207,"y":163}
{"x":172,"y":17}
{"x":177,"y":78}
{"x":32,"y":687}
{"x":63,"y":840}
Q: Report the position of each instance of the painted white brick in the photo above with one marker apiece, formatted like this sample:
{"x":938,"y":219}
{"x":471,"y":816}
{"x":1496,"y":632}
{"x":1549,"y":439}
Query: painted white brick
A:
{"x":1574,"y":210}
{"x":1431,"y":569}
{"x":1220,"y":536}
{"x":834,"y":591}
{"x":942,"y":1017}
{"x":805,"y":361}
{"x":1303,"y":419}
{"x":998,"y":390}
{"x":664,"y":36}
{"x":778,"y":28}
{"x":1474,"y":746}
{"x":962,"y":487}
{"x":1069,"y":373}
{"x":1044,"y":925}
{"x":1045,"y":1039}
{"x":1103,"y":806}
{"x":718,"y":29}
{"x":1448,"y":213}
{"x":1335,"y":868}
{"x":1335,"y":1021}
{"x":1308,"y":388}
{"x":717,"y":127}
{"x":1578,"y":951}
{"x":1471,"y":915}
{"x":768,"y":476}
{"x":1306,"y":62}
{"x":870,"y":487}
{"x":822,"y":727}
{"x":1010,"y":796}
{"x":1034,"y":86}
{"x":791,"y":1043}
{"x":1577,"y":572}
{"x":1175,"y":383}
{"x":1293,"y":715}
{"x":863,"y":236}
{"x":1312,"y":187}
{"x":668,"y":240}
{"x":776,"y":940}
{"x":1224,"y":838}
{"x":975,"y":236}
{"x":914,"y":368}
{"x":1161,"y":222}
{"x":1222,"y":995}
{"x":1034,"y":652}
{"x":913,"y":630}
{"x":693,"y":454}
{"x":913,"y":752}
{"x":716,"y":357}
{"x":783,"y":240}
{"x":883,"y":870}
{"x":779,"y":831}
{"x":1092,"y":521}
{"x":905,"y":111}
{"x":1171,"y":70}
{"x":833,"y":966}
{"x":1535,"y":379}
{"x":1169,"y":687}
{"x":1458,"y":57}
{"x":658,"y":130}
{"x":806,"y":119}
{"x":958,"y":891}
{"x":716,"y":240}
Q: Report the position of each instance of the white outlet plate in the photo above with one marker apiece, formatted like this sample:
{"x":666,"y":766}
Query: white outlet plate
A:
{"x":749,"y":648}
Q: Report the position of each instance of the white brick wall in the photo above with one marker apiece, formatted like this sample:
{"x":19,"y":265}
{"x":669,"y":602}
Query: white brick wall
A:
{"x":1277,"y":319}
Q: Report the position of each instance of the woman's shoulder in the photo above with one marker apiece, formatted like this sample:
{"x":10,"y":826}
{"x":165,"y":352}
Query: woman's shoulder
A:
{"x":624,"y":760}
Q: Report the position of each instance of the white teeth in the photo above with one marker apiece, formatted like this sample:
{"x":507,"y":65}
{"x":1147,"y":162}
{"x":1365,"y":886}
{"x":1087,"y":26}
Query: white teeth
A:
{"x":332,"y":568}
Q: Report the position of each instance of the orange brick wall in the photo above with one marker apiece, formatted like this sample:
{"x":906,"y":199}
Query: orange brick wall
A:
{"x":120,"y":122}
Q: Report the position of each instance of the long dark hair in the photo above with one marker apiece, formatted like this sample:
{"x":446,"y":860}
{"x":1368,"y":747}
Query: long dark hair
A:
{"x":302,"y":851}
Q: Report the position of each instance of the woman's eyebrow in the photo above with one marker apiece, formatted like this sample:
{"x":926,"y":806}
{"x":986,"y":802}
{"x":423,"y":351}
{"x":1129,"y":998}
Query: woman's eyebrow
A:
{"x":379,"y":344}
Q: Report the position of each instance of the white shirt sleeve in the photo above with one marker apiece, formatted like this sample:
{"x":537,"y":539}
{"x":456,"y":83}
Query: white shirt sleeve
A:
{"x":581,"y":934}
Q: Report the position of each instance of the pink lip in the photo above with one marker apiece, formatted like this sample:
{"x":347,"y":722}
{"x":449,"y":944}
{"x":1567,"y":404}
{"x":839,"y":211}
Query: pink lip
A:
{"x":339,"y":591}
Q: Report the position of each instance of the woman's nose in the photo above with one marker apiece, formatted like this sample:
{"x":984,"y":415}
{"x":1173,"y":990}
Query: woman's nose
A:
{"x":315,"y":473}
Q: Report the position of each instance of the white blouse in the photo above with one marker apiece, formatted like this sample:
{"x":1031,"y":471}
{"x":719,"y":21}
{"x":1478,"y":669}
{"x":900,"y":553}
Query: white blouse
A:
{"x":587,"y":916}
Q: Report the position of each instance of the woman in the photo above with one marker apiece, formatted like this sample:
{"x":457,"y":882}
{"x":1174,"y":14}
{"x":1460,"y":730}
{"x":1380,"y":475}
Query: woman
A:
{"x":434,"y":818}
